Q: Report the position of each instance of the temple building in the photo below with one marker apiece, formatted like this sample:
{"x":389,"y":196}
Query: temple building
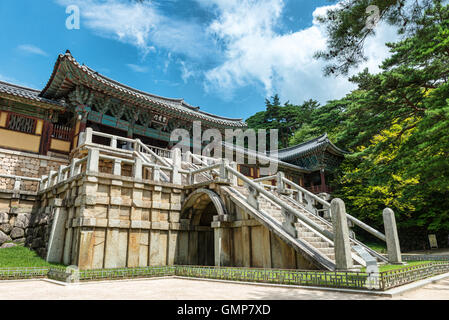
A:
{"x":90,"y":177}
{"x":320,"y":157}
{"x":46,"y":124}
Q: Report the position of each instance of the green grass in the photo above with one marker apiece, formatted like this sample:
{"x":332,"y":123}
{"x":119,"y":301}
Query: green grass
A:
{"x":381,"y":248}
{"x":389,"y":267}
{"x":21,"y":257}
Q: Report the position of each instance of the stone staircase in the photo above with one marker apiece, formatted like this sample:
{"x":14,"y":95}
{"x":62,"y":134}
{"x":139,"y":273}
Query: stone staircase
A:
{"x":304,"y":232}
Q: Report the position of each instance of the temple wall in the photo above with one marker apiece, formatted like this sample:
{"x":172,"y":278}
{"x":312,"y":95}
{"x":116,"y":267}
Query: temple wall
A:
{"x":25,"y":165}
{"x":107,"y":221}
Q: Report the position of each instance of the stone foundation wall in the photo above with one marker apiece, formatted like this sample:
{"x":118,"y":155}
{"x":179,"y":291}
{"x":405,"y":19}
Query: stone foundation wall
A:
{"x":26,"y":165}
{"x":106,"y":221}
{"x":16,"y":223}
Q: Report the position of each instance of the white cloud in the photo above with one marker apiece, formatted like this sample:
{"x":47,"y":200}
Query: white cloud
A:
{"x":136,"y":68}
{"x":141,"y":25}
{"x":29,"y":48}
{"x":281,"y":63}
{"x":241,"y":39}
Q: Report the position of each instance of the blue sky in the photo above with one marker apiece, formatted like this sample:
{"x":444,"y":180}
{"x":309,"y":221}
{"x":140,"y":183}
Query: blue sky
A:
{"x":225,"y":56}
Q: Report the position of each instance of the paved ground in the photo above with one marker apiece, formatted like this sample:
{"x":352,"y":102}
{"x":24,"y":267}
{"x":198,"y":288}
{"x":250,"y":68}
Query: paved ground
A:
{"x":176,"y":289}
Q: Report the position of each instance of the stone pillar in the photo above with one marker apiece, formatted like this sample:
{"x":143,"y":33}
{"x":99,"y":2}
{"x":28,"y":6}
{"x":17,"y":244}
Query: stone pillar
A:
{"x":57,"y":235}
{"x":222,"y":243}
{"x":391,"y":235}
{"x":342,"y":247}
{"x":177,"y":158}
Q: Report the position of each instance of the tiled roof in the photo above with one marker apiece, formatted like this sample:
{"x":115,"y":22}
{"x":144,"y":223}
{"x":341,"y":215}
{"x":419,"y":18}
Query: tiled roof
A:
{"x":175,"y":105}
{"x":320,"y":143}
{"x":264,"y":157}
{"x":26,"y":93}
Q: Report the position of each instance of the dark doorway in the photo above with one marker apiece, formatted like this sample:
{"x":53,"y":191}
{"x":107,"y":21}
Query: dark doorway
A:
{"x":206,"y":255}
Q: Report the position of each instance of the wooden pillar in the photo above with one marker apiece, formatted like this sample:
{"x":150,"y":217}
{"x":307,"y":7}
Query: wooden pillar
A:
{"x":47,"y":131}
{"x":323,"y":180}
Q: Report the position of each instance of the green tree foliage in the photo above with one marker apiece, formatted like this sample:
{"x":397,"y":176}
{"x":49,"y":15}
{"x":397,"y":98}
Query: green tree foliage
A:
{"x":396,"y":124}
{"x":287,"y":118}
{"x":348,"y":24}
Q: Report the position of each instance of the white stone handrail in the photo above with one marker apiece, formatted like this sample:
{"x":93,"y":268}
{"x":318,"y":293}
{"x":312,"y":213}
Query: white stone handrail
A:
{"x":18,"y":180}
{"x":279,"y":202}
{"x":64,"y":173}
{"x":327,"y":205}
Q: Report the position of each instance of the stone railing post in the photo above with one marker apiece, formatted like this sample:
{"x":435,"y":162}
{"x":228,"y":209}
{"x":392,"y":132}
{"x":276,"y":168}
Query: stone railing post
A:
{"x":93,"y":160}
{"x":156,"y":174}
{"x":252,"y":197}
{"x":113,"y":142}
{"x":342,"y":246}
{"x":280,"y":182}
{"x":188,"y":156}
{"x":51,"y":178}
{"x":289,"y":223}
{"x":177,"y":160}
{"x":137,"y":145}
{"x":310,"y":204}
{"x":72,"y":167}
{"x":17,"y":183}
{"x":88,"y":135}
{"x":60,"y":174}
{"x":234,"y":180}
{"x":224,"y":176}
{"x":391,"y":235}
{"x":117,"y":170}
{"x":43,"y":183}
{"x":137,"y":168}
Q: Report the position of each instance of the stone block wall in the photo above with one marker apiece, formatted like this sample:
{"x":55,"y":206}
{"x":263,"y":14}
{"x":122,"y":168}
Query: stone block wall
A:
{"x":106,"y":221}
{"x":26,"y":165}
{"x":15,"y":217}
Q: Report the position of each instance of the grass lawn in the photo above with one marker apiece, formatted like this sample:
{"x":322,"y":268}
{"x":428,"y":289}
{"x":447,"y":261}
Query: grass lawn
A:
{"x":381,"y":248}
{"x":21,"y":257}
{"x":388,"y":267}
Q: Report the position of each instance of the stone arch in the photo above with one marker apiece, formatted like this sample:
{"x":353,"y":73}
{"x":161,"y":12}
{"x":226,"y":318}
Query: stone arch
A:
{"x":199,"y":199}
{"x":197,"y":243}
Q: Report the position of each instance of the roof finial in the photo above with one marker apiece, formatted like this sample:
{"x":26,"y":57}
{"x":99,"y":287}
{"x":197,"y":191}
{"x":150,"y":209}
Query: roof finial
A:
{"x":68,"y":52}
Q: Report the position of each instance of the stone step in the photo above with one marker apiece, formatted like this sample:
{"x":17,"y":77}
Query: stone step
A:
{"x":311,"y":239}
{"x":327,"y":250}
{"x":307,"y":234}
{"x":322,"y":244}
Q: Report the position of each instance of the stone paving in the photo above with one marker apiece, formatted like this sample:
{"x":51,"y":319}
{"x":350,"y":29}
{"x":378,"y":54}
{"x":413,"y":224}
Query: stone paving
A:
{"x":184,"y":289}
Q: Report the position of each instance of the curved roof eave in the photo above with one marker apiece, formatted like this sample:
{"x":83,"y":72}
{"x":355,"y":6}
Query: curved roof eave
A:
{"x":178,"y":105}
